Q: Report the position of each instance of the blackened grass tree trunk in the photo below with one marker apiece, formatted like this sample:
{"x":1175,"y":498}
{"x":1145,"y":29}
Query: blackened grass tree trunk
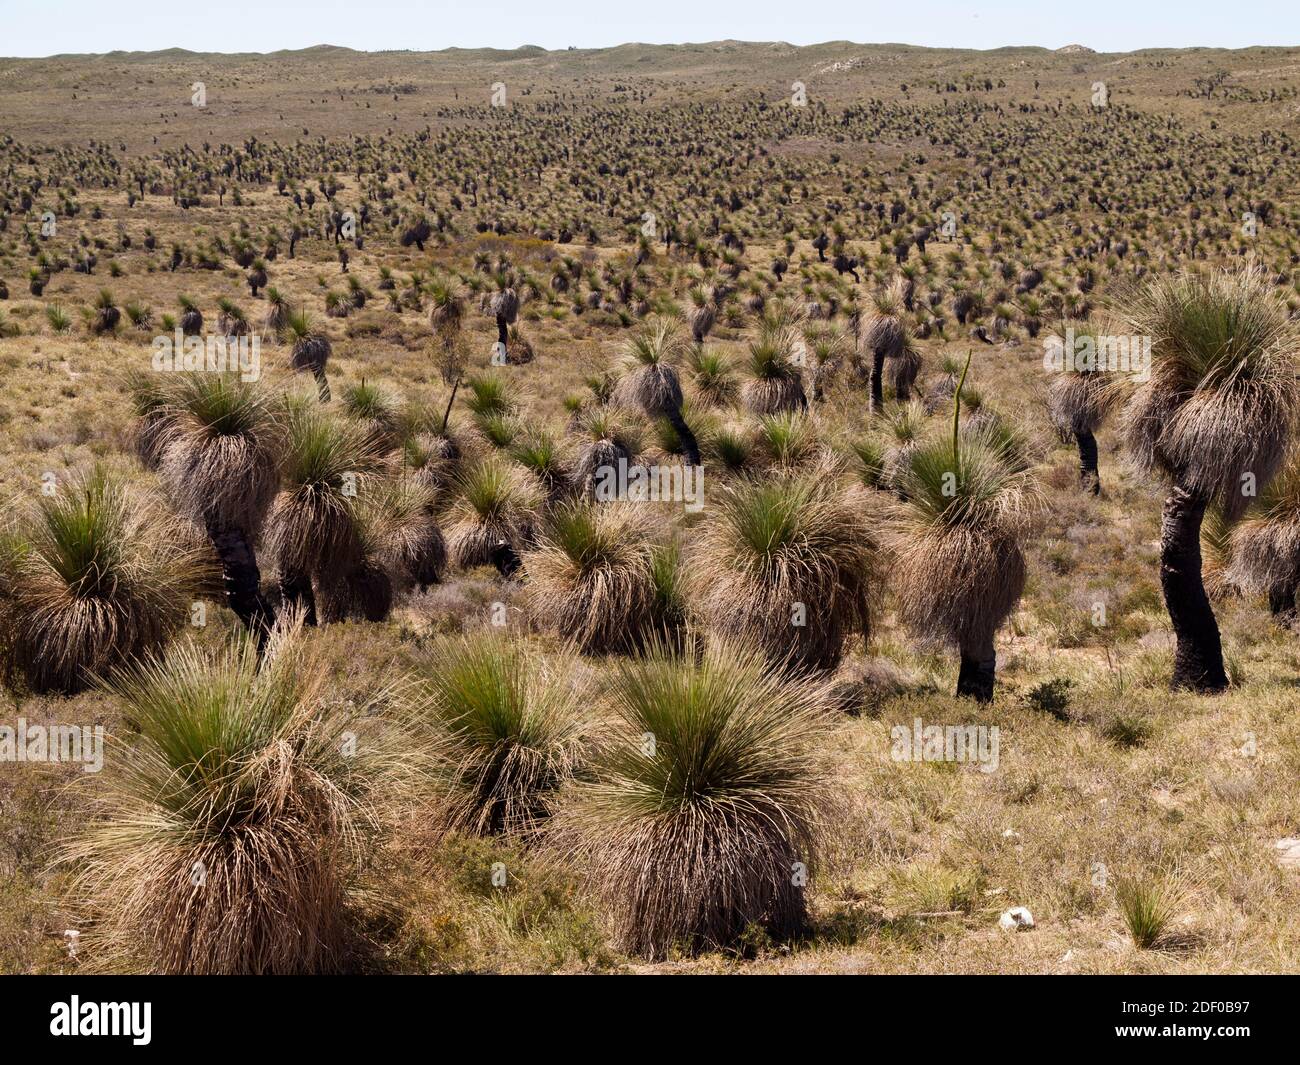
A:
{"x":1198,"y":656}
{"x":877,"y":380}
{"x":977,"y":672}
{"x":1281,"y":601}
{"x":242,"y":579}
{"x":296,"y":594}
{"x":690,"y":446}
{"x":1089,"y":475}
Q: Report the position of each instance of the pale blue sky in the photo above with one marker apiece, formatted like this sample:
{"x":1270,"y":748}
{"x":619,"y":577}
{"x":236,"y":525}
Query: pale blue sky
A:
{"x":47,"y":27}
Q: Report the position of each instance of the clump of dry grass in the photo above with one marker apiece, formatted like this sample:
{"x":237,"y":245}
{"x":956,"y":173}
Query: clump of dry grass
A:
{"x":1149,"y":904}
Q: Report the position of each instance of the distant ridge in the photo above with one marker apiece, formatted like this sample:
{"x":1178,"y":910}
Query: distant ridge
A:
{"x":724,"y":47}
{"x":823,"y":53}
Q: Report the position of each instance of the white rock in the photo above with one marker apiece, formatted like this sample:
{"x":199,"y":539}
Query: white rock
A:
{"x":1016,"y":919}
{"x":1288,"y":852}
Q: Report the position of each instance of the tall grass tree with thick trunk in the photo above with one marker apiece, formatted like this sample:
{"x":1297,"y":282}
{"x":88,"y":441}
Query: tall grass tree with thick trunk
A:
{"x":1214,"y":419}
{"x":885,"y":337}
{"x":1079,"y":399}
{"x":221,"y":454}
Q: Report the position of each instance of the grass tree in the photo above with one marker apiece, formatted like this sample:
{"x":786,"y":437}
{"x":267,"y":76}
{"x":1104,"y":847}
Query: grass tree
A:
{"x":503,"y":305}
{"x":701,"y":315}
{"x":885,"y":337}
{"x":597,"y":577}
{"x":493,"y":516}
{"x":1264,"y":546}
{"x":149,"y":396}
{"x":311,"y":349}
{"x":312,"y":530}
{"x":775,"y":383}
{"x":106,"y":314}
{"x":236,"y":817}
{"x":787,"y":564}
{"x":1079,"y":399}
{"x":220,"y":465}
{"x":277,"y":313}
{"x":904,"y":369}
{"x":714,"y":381}
{"x":651,"y":384}
{"x":191,"y":317}
{"x":606,"y":440}
{"x":447,"y":310}
{"x":400,"y":546}
{"x":375,"y":408}
{"x":507,"y":729}
{"x":1214,"y":418}
{"x":539,"y":451}
{"x":954,"y":539}
{"x":703,"y":815}
{"x":90,"y":577}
